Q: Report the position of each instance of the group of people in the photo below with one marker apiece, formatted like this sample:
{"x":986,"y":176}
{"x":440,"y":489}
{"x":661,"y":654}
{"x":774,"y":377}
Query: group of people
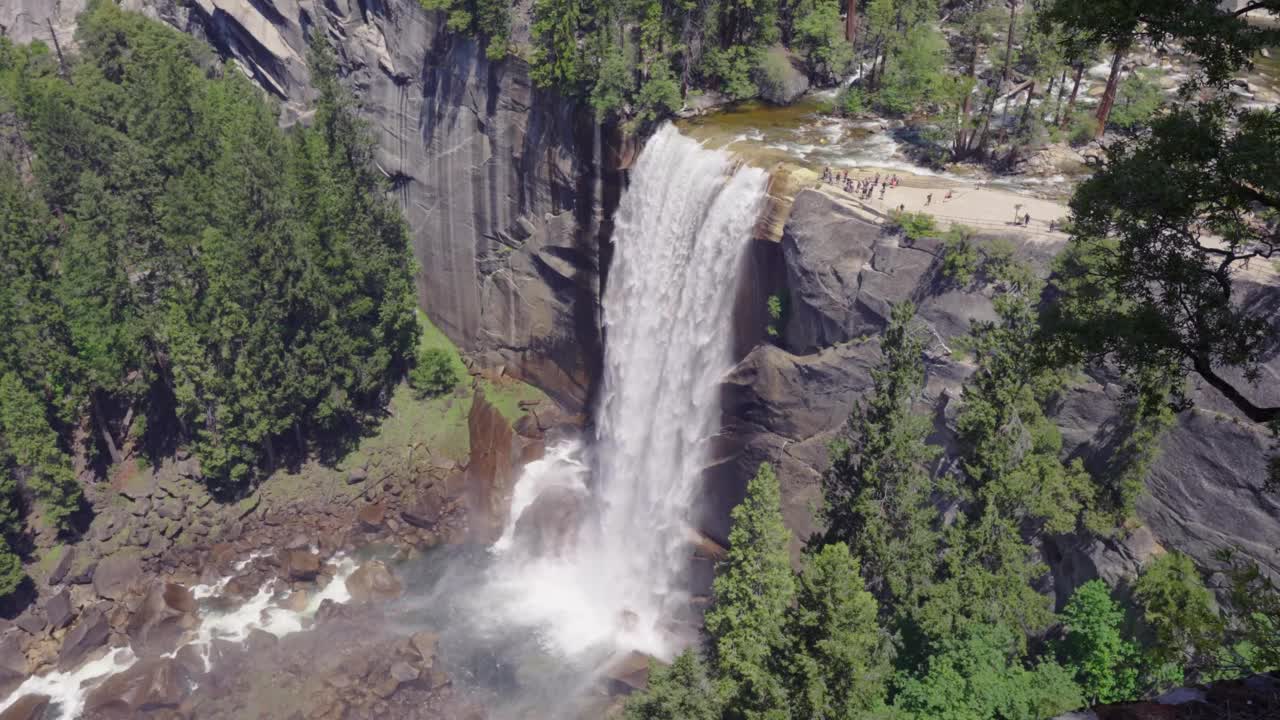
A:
{"x":864,"y":187}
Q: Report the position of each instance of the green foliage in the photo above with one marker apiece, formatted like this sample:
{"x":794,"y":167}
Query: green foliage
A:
{"x":877,"y":490}
{"x":29,"y":442}
{"x":776,"y":308}
{"x":851,"y":101}
{"x":731,"y":70}
{"x":1255,"y":627}
{"x":1137,"y":100}
{"x":1178,"y":611}
{"x":818,"y":35}
{"x":489,"y":19}
{"x":681,"y":691}
{"x":752,"y":592}
{"x":978,"y":674}
{"x":914,"y":75}
{"x":11,"y":573}
{"x":960,"y":257}
{"x":774,"y":71}
{"x":254,"y":282}
{"x":839,"y":663}
{"x":434,"y":373}
{"x":1105,"y":663}
{"x":915,"y":225}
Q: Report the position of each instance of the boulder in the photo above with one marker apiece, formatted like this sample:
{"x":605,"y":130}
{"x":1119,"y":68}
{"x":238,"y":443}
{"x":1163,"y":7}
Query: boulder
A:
{"x":88,"y":634}
{"x":357,"y":475}
{"x":424,"y":511}
{"x":28,"y":707}
{"x":62,"y":566}
{"x":628,"y":672}
{"x":425,"y":643}
{"x":13,"y":662}
{"x":58,"y":610}
{"x":403,"y":672}
{"x":549,"y":526}
{"x":165,"y":613}
{"x":301,"y":565}
{"x":32,"y":621}
{"x":781,"y":83}
{"x":371,"y":517}
{"x":373,"y":582}
{"x":149,"y":685}
{"x":116,"y":574}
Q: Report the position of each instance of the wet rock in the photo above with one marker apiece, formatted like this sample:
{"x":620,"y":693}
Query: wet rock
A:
{"x":330,"y":611}
{"x":116,"y":574}
{"x":403,"y":672}
{"x":301,"y":565}
{"x":89,"y":634}
{"x":425,"y":643}
{"x":371,"y":517}
{"x":357,"y":475}
{"x":28,"y":707}
{"x":424,"y":511}
{"x":191,"y":658}
{"x":149,"y":685}
{"x":373,"y":582}
{"x":549,"y":526}
{"x":260,"y":641}
{"x":165,"y":612}
{"x":628,"y":672}
{"x":58,"y":610}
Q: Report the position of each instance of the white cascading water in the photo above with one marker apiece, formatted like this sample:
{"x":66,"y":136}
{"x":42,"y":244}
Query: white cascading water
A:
{"x":680,"y":237}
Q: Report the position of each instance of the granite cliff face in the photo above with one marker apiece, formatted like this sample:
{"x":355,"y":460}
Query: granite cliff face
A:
{"x":497,"y":179}
{"x":840,"y":273}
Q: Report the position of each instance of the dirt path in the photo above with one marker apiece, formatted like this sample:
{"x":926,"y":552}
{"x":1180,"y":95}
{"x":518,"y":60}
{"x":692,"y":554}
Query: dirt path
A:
{"x":978,"y":207}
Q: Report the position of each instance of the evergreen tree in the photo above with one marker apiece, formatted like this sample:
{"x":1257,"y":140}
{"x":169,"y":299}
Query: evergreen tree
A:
{"x":839,"y":661}
{"x":1178,"y":611}
{"x":680,"y":691}
{"x":753,"y":588}
{"x":877,"y":490}
{"x":11,"y":572}
{"x":31,"y":444}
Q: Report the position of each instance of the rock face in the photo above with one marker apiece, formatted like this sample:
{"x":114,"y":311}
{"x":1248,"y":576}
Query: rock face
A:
{"x":784,"y":404}
{"x":495,"y":177}
{"x":149,"y":685}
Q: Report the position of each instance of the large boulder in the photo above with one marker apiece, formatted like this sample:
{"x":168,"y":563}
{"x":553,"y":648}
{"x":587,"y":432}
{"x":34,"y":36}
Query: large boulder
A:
{"x":781,"y":82}
{"x":87,"y":635}
{"x":373,"y":581}
{"x":300,"y":564}
{"x":13,"y":662}
{"x":58,"y":610}
{"x":549,"y":526}
{"x":116,"y":575}
{"x":28,"y":707}
{"x":148,"y":685}
{"x":166,"y":612}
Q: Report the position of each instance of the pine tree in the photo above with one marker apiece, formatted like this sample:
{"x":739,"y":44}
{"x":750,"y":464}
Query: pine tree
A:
{"x":753,"y":588}
{"x":11,"y":572}
{"x":681,"y":691}
{"x":839,"y":663}
{"x":877,"y":489}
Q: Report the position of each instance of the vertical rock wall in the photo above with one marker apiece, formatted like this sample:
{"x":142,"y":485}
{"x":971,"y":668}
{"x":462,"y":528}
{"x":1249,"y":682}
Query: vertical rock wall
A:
{"x":496,"y":177}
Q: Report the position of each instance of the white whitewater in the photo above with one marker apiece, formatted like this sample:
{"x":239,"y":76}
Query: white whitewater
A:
{"x":266,"y":611}
{"x":681,"y":232}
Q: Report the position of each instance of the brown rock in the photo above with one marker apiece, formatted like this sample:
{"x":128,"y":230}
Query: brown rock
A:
{"x":549,"y":526}
{"x":28,"y":707}
{"x":58,"y":611}
{"x":160,"y":619}
{"x":116,"y":575}
{"x":628,"y":671}
{"x":371,"y":517}
{"x":425,"y":643}
{"x":152,"y":684}
{"x":403,"y":672}
{"x":424,"y":511}
{"x":373,"y":581}
{"x":60,"y":568}
{"x":301,"y":565}
{"x":89,"y":634}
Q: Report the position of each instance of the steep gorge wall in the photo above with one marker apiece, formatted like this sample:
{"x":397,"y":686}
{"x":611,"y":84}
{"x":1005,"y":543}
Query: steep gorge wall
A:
{"x":497,"y":179}
{"x":787,"y":399}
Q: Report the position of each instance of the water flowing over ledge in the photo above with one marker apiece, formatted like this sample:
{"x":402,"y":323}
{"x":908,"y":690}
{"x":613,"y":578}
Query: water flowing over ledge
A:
{"x":601,"y":562}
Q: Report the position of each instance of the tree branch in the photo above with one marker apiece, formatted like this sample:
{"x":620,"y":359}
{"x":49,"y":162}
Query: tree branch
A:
{"x":1261,"y":415}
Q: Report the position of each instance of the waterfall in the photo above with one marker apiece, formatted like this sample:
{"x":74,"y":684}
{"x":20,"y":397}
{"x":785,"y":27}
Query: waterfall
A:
{"x":680,"y":237}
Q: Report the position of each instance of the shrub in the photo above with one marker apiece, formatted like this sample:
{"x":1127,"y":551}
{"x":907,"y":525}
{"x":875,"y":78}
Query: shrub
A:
{"x":851,"y":101}
{"x":434,"y":374}
{"x":1082,"y":129}
{"x":915,"y":225}
{"x":776,"y":310}
{"x":960,"y":256}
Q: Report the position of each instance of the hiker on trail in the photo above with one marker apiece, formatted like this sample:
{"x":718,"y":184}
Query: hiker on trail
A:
{"x":902,"y":208}
{"x":1026,"y":219}
{"x":826,"y":174}
{"x":928,"y":198}
{"x":882,"y":189}
{"x":948,"y":197}
{"x":1053,"y":225}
